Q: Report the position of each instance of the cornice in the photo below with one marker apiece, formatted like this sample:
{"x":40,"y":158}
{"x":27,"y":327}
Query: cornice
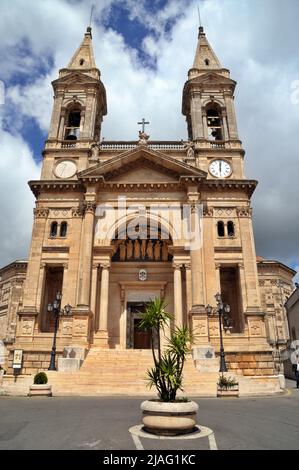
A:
{"x":40,"y":186}
{"x":223,"y":185}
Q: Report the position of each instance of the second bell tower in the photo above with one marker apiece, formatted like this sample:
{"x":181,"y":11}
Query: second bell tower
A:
{"x":79,"y":102}
{"x":208,"y":97}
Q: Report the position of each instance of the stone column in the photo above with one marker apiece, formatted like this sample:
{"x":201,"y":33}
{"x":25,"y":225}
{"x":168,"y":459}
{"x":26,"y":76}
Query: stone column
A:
{"x":94,"y":288}
{"x":103,"y":322}
{"x":225,"y":126}
{"x":88,"y":128}
{"x":86,"y":256}
{"x":178,"y":304}
{"x":196,"y":261}
{"x":39,"y":234}
{"x":196,"y":118}
{"x":198,"y":312}
{"x":55,"y":119}
{"x":188,"y":286}
{"x":231,"y":117}
{"x":188,"y":294}
{"x":61,"y":126}
{"x":205,"y":125}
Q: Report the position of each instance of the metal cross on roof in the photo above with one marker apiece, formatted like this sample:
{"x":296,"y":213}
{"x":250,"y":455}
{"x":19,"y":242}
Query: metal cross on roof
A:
{"x":143,"y":123}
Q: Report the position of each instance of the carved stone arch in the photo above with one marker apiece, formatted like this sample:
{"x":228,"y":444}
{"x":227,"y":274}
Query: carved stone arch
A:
{"x":73,"y":103}
{"x":126,"y":219}
{"x":219,"y":103}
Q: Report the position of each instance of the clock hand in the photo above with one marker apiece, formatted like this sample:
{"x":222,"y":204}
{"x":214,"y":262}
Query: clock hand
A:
{"x":64,"y":167}
{"x":220,"y":164}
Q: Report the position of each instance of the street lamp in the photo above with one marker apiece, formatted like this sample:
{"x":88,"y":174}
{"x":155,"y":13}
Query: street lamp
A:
{"x":222,"y":310}
{"x":55,"y":308}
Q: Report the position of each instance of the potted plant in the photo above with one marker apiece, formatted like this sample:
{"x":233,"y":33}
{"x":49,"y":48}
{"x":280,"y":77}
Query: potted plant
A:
{"x":167,"y":415}
{"x":40,"y":387}
{"x":227,"y":387}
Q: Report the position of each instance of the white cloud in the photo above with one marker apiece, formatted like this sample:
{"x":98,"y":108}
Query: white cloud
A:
{"x":17,"y":166}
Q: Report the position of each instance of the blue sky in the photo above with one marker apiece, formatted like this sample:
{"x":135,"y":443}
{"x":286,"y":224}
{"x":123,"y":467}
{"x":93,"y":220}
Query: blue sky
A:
{"x":144,"y":50}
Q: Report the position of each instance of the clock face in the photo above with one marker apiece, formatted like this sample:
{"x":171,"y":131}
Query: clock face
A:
{"x":65,"y":169}
{"x":220,"y":169}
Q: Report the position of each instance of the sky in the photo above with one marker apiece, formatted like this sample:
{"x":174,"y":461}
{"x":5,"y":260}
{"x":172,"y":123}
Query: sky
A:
{"x":144,"y":49}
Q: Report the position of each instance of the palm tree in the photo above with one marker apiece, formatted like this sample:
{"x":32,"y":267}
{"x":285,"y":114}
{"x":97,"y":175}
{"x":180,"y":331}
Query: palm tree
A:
{"x":167,"y":373}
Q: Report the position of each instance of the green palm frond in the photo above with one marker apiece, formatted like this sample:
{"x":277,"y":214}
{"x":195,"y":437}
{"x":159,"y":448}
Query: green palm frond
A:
{"x":167,"y":373}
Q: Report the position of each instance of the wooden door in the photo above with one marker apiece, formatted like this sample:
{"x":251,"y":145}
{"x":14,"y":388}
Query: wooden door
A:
{"x":142,"y":339}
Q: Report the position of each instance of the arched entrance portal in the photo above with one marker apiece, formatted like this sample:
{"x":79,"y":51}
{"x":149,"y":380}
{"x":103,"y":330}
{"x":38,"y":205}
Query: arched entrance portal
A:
{"x":132,"y":266}
{"x":144,"y":265}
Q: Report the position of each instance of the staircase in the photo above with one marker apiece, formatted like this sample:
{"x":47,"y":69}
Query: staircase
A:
{"x":123,"y":372}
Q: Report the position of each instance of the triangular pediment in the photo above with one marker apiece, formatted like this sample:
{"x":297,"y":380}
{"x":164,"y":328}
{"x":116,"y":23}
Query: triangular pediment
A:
{"x":212,"y":78}
{"x":142,"y":165}
{"x":75,"y":78}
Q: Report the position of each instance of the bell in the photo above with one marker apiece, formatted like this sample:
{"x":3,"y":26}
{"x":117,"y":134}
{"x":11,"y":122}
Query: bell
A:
{"x":73,"y":134}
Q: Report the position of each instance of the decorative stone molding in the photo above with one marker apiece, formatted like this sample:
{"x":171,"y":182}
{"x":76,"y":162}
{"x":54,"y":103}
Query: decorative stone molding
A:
{"x":89,"y":207}
{"x":176,"y":265}
{"x":77,"y":211}
{"x":244,"y":211}
{"x":41,"y":212}
{"x":105,"y":265}
{"x":27,"y":327}
{"x":255,"y":327}
{"x":67,"y":327}
{"x":224,"y":211}
{"x":60,"y":212}
{"x":214,"y":329}
{"x":80,"y":327}
{"x":201,"y":327}
{"x":208,"y":211}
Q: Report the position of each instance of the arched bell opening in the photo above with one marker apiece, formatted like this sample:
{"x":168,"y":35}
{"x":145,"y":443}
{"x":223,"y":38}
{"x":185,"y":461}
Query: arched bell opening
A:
{"x":72,"y":129}
{"x":214,"y":122}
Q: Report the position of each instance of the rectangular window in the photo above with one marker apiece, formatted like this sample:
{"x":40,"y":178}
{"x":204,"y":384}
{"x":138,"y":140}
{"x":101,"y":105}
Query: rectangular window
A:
{"x":231,"y":294}
{"x":52,"y":284}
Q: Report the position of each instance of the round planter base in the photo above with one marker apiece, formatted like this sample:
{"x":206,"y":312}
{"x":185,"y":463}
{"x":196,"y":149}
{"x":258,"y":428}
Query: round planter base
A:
{"x":164,"y":432}
{"x":169,"y":419}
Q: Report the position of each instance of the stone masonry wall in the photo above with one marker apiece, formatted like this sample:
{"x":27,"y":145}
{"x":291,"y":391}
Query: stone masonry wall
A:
{"x":250,"y":364}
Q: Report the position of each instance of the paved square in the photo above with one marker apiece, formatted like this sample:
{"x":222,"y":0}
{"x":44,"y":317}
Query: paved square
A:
{"x":103,"y":423}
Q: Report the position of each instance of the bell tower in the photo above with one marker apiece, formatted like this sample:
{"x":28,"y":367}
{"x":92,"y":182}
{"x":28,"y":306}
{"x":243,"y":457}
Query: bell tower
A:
{"x":208,"y":97}
{"x":208,"y":104}
{"x":78,"y":110}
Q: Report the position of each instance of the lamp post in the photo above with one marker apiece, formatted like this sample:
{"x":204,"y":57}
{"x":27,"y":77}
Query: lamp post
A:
{"x":55,"y":308}
{"x":222,"y":310}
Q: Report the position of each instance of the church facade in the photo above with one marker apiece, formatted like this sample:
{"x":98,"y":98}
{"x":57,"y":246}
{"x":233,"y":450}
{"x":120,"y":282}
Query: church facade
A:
{"x":119,"y":223}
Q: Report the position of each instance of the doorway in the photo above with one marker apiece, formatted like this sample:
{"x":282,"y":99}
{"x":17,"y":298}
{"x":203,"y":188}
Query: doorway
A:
{"x":136,"y":338}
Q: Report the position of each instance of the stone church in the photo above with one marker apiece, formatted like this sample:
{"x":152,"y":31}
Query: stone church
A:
{"x":109,"y":235}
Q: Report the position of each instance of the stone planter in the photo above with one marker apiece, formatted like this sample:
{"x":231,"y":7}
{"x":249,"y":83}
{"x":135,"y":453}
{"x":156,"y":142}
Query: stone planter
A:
{"x":228,"y":392}
{"x":169,"y":419}
{"x":40,"y":391}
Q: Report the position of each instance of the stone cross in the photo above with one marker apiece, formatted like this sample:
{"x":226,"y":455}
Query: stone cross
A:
{"x":143,"y":123}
